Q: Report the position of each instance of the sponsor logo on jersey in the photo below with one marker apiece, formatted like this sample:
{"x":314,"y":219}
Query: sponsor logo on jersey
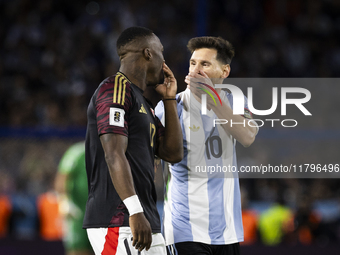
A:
{"x":194,"y":128}
{"x":116,"y":117}
{"x":247,"y":114}
{"x":142,"y":109}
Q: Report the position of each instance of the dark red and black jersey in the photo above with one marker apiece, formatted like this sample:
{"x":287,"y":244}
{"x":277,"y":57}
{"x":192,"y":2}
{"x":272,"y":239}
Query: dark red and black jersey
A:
{"x":118,"y":106}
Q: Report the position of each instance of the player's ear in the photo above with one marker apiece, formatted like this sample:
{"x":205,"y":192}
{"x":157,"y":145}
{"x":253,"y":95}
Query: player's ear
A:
{"x":225,"y":71}
{"x":147,"y":54}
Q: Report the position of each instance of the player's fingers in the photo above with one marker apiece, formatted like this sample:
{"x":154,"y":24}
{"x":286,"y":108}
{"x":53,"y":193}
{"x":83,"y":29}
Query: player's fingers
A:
{"x":166,"y":67}
{"x":146,"y":240}
{"x":187,"y":80}
{"x":204,"y":74}
{"x":195,"y":75}
{"x":167,"y":70}
{"x":200,"y":77}
{"x":194,"y":78}
{"x":142,"y":242}
{"x":148,"y":244}
{"x":134,"y":239}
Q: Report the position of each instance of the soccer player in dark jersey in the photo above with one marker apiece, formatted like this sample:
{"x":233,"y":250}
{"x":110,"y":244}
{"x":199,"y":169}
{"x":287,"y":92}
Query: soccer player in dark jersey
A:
{"x":123,"y":136}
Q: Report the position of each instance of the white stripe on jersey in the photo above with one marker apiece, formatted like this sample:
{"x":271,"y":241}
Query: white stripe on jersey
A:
{"x":197,"y":186}
{"x":167,"y":218}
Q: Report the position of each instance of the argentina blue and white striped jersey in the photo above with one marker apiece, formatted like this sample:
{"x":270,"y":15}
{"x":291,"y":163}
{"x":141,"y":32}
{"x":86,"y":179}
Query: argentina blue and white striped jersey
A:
{"x":203,"y":203}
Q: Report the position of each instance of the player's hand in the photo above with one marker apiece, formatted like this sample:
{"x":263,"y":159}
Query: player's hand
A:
{"x":67,"y":208}
{"x":141,"y":231}
{"x":169,"y":88}
{"x":195,"y":81}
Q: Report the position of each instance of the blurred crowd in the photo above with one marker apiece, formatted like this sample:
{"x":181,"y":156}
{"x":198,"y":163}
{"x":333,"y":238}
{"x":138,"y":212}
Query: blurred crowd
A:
{"x":55,"y":53}
{"x":273,"y":220}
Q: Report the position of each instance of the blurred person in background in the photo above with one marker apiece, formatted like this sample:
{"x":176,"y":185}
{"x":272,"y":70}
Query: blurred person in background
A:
{"x":24,"y":221}
{"x":5,"y":212}
{"x":249,"y":219}
{"x":276,"y":224}
{"x":50,"y":221}
{"x":123,"y":137}
{"x":5,"y":207}
{"x":306,"y":221}
{"x":71,"y":185}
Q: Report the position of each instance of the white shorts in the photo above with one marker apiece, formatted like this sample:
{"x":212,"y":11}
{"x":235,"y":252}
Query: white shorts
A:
{"x":117,"y":241}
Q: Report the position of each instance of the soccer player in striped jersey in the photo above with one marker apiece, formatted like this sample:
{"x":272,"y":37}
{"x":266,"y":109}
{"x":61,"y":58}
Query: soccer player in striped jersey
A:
{"x":202,"y":210}
{"x":123,"y":137}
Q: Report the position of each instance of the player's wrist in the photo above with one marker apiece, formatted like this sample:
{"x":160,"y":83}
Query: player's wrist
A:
{"x":169,"y":98}
{"x":133,"y":205}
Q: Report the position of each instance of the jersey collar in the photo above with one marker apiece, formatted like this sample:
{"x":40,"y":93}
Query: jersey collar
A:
{"x":119,"y":72}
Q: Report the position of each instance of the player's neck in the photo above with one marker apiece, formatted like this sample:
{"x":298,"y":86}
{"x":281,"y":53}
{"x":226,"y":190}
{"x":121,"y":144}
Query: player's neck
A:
{"x":134,"y":73}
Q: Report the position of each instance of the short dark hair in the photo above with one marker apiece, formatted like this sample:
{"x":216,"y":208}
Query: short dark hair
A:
{"x":225,"y":50}
{"x":131,"y":34}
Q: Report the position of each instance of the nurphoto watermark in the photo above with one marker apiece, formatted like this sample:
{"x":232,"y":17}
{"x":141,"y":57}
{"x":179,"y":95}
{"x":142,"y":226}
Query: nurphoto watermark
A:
{"x":239,"y":103}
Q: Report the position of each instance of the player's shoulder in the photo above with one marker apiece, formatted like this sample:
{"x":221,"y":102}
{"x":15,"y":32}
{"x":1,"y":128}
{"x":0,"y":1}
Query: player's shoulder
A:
{"x":116,"y":88}
{"x":114,"y":81}
{"x":182,"y":94}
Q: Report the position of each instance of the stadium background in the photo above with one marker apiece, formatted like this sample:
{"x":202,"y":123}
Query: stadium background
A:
{"x":55,"y":53}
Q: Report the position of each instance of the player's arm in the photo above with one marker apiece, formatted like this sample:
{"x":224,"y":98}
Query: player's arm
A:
{"x":243,"y":133}
{"x":115,"y":146}
{"x":170,"y":146}
{"x":66,"y":206}
{"x":60,"y":183}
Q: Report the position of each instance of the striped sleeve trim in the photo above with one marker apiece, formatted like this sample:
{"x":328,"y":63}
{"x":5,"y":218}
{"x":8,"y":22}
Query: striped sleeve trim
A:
{"x":115,"y":92}
{"x":119,"y":89}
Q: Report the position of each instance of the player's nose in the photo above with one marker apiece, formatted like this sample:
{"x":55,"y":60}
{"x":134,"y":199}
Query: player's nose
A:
{"x":197,"y":69}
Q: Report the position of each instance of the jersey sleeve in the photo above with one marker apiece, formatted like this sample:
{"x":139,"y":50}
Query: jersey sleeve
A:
{"x":113,"y":104}
{"x":159,"y":111}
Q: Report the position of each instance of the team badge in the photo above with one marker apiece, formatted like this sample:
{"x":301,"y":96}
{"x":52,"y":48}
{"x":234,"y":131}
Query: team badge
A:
{"x":194,"y":128}
{"x":247,"y":114}
{"x":142,"y":109}
{"x":116,"y":117}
